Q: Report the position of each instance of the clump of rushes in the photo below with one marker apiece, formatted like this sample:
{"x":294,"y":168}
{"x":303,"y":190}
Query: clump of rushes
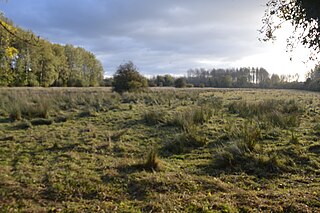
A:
{"x":152,"y":163}
{"x":15,"y":113}
{"x":181,"y":120}
{"x":186,"y":120}
{"x":202,"y":114}
{"x":187,"y":141}
{"x":39,"y":108}
{"x":154,"y":117}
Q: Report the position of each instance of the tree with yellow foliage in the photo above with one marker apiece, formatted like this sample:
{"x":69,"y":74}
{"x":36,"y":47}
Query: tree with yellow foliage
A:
{"x":7,"y":53}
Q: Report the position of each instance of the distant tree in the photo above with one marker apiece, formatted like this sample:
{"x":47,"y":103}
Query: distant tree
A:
{"x":313,"y":79}
{"x":107,"y":82}
{"x":303,"y":15}
{"x":7,"y":53}
{"x":275,"y":80}
{"x":168,"y":81}
{"x":242,"y":81}
{"x":128,"y":78}
{"x":160,"y":80}
{"x":314,"y":73}
{"x":227,"y":81}
{"x":152,"y":82}
{"x":180,"y":83}
{"x":61,"y":65}
{"x":46,"y":72}
{"x":202,"y":85}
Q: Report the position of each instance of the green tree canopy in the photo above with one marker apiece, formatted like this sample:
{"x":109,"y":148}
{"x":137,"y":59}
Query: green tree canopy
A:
{"x":128,"y":79}
{"x":42,"y":63}
{"x":180,"y":83}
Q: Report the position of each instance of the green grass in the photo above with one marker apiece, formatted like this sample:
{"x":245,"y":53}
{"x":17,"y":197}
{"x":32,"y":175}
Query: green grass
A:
{"x":171,"y":150}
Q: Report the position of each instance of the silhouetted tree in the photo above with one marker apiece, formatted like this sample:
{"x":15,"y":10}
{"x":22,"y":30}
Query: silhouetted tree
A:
{"x":303,"y":15}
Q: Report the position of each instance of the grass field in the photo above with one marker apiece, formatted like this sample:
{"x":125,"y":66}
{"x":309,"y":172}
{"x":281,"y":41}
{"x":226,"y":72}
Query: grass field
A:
{"x":168,"y":150}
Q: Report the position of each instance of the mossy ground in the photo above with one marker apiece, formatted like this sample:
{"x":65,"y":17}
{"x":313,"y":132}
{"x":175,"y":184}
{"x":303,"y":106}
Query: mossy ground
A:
{"x":87,"y":150}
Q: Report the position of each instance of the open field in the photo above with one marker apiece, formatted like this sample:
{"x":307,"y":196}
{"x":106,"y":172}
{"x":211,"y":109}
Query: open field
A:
{"x":168,"y":150}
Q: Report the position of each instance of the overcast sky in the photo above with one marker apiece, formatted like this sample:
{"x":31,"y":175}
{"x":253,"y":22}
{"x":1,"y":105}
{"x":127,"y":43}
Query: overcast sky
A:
{"x":160,"y":36}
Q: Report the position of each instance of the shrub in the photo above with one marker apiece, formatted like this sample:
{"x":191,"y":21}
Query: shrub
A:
{"x":180,"y":83}
{"x":127,"y":78}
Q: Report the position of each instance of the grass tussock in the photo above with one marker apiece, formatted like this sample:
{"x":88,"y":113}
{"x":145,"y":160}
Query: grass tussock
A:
{"x":154,"y":117}
{"x":191,"y":117}
{"x":278,"y":113}
{"x":186,"y":141}
{"x":152,"y":162}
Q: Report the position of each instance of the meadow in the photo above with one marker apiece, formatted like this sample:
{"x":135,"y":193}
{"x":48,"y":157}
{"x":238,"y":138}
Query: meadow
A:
{"x":162,"y":150}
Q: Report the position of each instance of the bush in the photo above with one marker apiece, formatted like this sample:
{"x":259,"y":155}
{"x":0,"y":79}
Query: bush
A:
{"x":180,"y":83}
{"x":128,"y":79}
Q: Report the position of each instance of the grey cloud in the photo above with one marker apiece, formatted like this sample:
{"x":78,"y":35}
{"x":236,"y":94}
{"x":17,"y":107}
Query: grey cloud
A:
{"x":160,"y":36}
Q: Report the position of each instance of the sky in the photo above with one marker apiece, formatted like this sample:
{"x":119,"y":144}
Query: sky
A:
{"x":162,"y":36}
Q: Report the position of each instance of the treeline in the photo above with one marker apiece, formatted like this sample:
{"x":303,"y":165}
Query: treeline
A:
{"x":313,"y":79}
{"x":27,"y":60}
{"x":237,"y":77}
{"x":226,"y":78}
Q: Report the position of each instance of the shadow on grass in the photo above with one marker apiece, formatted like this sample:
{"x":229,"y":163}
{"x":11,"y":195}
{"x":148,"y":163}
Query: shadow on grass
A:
{"x":261,"y":168}
{"x":7,"y":138}
{"x":129,"y":169}
{"x":58,"y":148}
{"x":5,"y":120}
